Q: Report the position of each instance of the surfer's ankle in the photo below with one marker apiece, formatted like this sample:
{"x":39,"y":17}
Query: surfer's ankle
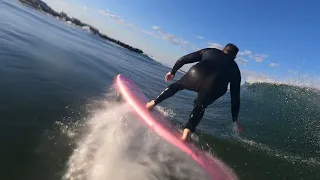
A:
{"x":186,"y":134}
{"x":150,"y":105}
{"x":185,"y":139}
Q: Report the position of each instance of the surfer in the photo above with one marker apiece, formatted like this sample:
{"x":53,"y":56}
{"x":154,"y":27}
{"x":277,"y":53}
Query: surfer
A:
{"x":209,"y":78}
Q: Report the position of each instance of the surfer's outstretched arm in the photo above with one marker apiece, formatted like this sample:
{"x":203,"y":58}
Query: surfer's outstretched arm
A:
{"x":189,"y":58}
{"x":235,"y":84}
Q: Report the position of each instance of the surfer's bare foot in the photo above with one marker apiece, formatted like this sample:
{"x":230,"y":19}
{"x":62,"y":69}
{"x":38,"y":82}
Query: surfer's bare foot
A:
{"x":150,"y":105}
{"x":186,"y":135}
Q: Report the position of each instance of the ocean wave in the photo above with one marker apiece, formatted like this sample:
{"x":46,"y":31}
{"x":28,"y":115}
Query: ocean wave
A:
{"x":311,"y":82}
{"x":313,"y":161}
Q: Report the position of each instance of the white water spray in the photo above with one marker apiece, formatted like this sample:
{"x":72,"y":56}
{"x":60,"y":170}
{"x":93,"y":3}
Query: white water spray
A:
{"x":117,"y":145}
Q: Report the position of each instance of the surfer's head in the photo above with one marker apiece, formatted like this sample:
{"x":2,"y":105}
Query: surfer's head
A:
{"x":231,"y":50}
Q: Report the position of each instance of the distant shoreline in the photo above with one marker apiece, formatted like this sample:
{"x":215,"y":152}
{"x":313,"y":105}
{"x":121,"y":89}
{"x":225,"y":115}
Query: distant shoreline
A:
{"x":42,"y":6}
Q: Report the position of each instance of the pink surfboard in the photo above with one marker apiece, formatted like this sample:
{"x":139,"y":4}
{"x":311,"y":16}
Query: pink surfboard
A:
{"x":137,"y":100}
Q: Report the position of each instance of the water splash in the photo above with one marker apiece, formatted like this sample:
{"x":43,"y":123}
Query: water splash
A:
{"x":116,"y":145}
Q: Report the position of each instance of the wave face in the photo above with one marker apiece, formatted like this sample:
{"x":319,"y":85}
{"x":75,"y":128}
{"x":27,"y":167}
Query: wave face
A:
{"x":287,"y":115}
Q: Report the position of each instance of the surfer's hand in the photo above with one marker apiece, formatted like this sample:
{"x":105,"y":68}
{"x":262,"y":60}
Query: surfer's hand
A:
{"x":169,"y":76}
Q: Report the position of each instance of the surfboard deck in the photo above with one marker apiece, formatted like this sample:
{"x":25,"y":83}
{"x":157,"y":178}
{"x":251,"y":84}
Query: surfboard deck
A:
{"x":133,"y":95}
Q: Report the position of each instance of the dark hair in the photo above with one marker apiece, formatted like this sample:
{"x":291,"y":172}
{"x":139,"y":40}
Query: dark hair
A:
{"x":231,"y":49}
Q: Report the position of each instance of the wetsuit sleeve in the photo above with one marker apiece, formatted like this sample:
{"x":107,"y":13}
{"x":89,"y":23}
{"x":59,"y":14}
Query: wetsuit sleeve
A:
{"x":189,"y":58}
{"x":235,"y":84}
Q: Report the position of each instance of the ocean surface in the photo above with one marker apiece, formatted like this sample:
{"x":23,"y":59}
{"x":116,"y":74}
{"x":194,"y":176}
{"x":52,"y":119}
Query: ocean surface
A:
{"x":60,"y":118}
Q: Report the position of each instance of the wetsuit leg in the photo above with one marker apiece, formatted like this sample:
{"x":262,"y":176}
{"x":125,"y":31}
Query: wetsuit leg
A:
{"x":201,"y":102}
{"x":169,"y":91}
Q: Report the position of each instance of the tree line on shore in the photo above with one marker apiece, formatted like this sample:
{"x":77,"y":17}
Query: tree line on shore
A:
{"x":42,"y":6}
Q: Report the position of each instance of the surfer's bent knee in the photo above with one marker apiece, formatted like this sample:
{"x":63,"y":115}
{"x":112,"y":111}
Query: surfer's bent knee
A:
{"x":176,"y":86}
{"x":195,"y":117}
{"x":168,"y":92}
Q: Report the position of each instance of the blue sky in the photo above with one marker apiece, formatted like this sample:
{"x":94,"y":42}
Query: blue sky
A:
{"x":276,"y":38}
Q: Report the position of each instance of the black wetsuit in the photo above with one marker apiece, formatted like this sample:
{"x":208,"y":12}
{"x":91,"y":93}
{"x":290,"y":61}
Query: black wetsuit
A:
{"x":210,"y":78}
